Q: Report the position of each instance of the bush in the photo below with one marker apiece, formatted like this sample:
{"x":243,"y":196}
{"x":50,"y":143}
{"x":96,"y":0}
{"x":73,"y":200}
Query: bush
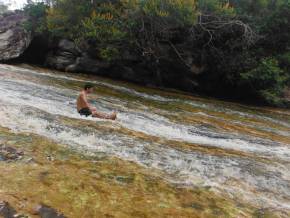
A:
{"x":219,"y":7}
{"x":3,"y":8}
{"x":65,"y":18}
{"x":104,"y":25}
{"x":267,"y":81}
{"x":234,"y":41}
{"x":284,"y":62}
{"x":276,"y":30}
{"x":177,"y":12}
{"x":37,"y":14}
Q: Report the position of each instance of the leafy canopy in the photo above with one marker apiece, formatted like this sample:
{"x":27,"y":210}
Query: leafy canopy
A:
{"x":220,"y":33}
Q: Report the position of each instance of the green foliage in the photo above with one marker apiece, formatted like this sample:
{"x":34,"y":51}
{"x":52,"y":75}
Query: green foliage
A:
{"x":267,"y":80}
{"x":271,"y":97}
{"x":65,"y":17}
{"x":220,"y":7}
{"x":181,"y":12}
{"x":109,"y":53}
{"x":232,"y":39}
{"x":256,"y":8}
{"x":276,"y":30}
{"x":100,"y":23}
{"x":104,"y":25}
{"x":37,"y":14}
{"x":3,"y":8}
{"x":284,"y":62}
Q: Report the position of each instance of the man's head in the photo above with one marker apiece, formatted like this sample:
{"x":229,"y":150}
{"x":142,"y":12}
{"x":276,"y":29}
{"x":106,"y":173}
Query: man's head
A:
{"x":89,"y":88}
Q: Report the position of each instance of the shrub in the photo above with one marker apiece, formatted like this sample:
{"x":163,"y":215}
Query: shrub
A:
{"x":234,"y":41}
{"x":37,"y":14}
{"x":276,"y":30}
{"x":178,"y":12}
{"x":3,"y":8}
{"x":220,"y":7}
{"x":104,"y":25}
{"x":65,"y":17}
{"x":267,"y":80}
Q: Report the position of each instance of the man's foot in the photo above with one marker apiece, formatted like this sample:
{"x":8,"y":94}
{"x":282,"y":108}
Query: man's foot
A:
{"x":113,"y":116}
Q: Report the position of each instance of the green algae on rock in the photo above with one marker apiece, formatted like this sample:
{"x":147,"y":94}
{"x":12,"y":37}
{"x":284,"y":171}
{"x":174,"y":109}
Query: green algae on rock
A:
{"x":99,"y":186}
{"x":168,"y":154}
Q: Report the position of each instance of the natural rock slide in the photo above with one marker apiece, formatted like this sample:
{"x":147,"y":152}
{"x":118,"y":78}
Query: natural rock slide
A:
{"x":168,"y":154}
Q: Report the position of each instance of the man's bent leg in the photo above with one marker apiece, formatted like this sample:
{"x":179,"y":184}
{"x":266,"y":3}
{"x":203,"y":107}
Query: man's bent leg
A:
{"x":104,"y":116}
{"x":93,"y":109}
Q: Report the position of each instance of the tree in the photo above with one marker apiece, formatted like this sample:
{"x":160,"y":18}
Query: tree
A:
{"x":37,"y":14}
{"x":236,"y":43}
{"x":267,"y":81}
{"x":64,"y":19}
{"x":3,"y":7}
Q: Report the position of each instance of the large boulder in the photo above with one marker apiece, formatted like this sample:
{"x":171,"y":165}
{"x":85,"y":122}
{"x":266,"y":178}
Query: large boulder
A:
{"x":63,"y":55}
{"x":68,"y":57}
{"x":60,"y":59}
{"x":14,"y":38}
{"x":86,"y":64}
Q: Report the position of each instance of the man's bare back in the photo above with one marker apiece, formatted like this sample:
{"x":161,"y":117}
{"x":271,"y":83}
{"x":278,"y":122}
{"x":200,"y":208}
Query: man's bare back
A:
{"x":82,"y":101}
{"x":85,"y":109}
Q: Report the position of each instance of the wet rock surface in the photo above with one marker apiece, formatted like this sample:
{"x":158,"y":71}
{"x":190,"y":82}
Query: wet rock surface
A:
{"x":10,"y":154}
{"x":6,"y":211}
{"x":45,"y":211}
{"x":14,"y":39}
{"x":93,"y":186}
{"x":62,"y":55}
{"x":42,"y":211}
{"x":149,"y":163}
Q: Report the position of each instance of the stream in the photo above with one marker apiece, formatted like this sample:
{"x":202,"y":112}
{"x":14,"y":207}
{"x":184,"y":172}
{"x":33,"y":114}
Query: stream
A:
{"x":238,"y":151}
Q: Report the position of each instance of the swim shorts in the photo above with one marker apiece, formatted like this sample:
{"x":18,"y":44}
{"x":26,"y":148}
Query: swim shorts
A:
{"x":85,"y":112}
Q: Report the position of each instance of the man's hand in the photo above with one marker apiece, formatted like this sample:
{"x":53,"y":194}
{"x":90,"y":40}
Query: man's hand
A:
{"x":113,"y":116}
{"x":93,"y":109}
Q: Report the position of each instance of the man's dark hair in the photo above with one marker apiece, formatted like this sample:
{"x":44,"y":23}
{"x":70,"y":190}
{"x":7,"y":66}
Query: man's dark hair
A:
{"x":88,"y":86}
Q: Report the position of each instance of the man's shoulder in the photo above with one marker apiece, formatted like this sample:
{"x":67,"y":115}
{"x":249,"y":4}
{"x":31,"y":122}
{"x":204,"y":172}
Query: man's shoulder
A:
{"x":83,"y":94}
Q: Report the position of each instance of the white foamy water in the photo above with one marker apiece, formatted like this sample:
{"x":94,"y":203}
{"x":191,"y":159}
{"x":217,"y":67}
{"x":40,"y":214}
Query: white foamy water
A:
{"x":29,"y":106}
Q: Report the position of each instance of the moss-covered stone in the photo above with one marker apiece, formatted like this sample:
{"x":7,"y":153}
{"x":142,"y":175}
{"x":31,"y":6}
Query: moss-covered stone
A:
{"x":98,"y":187}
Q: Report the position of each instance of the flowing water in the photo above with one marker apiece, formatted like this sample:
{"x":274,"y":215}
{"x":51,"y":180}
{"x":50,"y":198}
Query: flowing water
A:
{"x":237,"y":151}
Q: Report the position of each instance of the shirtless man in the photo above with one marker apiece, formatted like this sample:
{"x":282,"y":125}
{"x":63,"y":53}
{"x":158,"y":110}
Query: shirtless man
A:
{"x":85,"y":109}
